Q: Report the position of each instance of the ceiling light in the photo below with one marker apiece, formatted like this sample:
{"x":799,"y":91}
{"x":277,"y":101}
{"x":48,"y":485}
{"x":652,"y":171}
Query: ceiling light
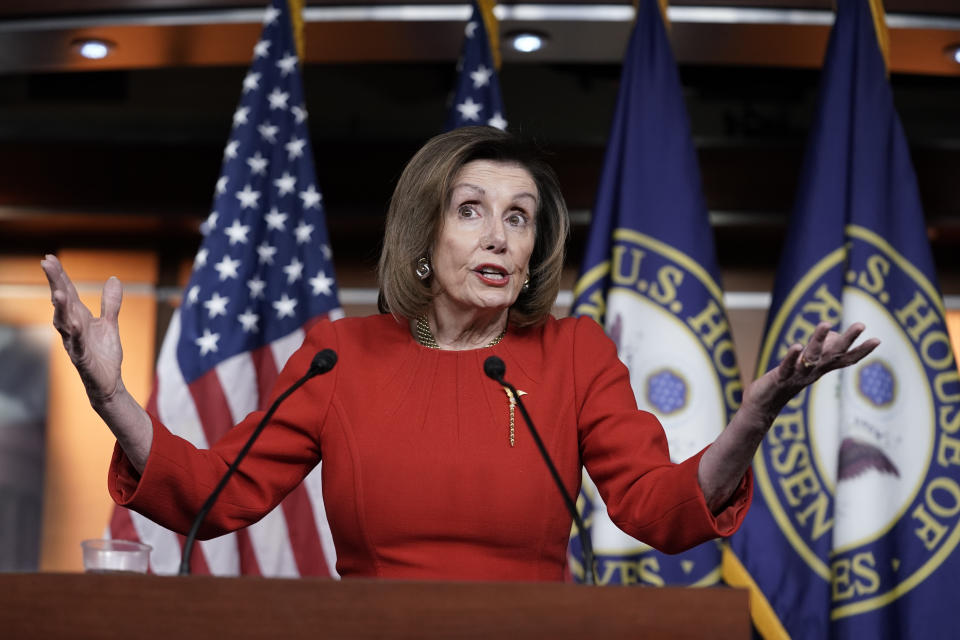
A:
{"x":953,"y":52}
{"x":93,"y":49}
{"x":527,"y":41}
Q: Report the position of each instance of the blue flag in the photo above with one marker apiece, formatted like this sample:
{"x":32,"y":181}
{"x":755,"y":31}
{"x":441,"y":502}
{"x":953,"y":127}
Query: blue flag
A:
{"x":477,"y":99}
{"x":853,"y":531}
{"x":650,"y":277}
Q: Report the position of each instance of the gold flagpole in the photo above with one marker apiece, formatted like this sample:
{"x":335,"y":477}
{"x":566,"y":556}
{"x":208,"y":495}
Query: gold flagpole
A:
{"x":296,"y":20}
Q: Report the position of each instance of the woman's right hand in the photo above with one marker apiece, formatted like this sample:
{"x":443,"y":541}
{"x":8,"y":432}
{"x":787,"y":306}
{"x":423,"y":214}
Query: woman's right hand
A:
{"x":94,"y":347}
{"x":92,"y":343}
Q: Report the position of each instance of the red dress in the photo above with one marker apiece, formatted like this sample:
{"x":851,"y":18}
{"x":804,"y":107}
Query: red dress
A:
{"x":419,"y":478}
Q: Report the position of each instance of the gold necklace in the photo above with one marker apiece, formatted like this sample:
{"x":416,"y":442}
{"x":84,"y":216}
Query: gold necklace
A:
{"x":425,"y":337}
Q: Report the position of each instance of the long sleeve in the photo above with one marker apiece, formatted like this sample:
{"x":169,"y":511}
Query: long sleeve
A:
{"x":179,"y":477}
{"x":625,"y":451}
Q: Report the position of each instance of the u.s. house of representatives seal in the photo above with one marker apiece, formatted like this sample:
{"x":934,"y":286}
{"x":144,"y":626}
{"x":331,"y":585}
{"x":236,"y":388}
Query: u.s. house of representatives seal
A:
{"x":865,"y":462}
{"x":665,"y":313}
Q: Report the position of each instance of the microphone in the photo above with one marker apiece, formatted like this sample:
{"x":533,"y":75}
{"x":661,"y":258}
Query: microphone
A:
{"x":323,"y":362}
{"x":495,"y":370}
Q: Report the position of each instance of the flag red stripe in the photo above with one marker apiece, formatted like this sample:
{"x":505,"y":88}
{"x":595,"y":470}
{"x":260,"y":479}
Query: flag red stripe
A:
{"x":121,"y":525}
{"x":248,"y":559}
{"x":297,"y":509}
{"x":211,"y":404}
{"x":198,"y":563}
{"x":266,"y":368}
{"x":304,"y":537}
{"x":216,"y":419}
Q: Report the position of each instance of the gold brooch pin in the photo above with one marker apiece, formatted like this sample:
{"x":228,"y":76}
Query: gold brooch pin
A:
{"x":513,"y":403}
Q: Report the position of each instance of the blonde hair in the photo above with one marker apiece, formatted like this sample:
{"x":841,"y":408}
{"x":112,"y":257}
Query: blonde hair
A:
{"x":415,"y":214}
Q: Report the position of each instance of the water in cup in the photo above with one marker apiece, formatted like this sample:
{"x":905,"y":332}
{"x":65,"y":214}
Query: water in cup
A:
{"x":115,"y":556}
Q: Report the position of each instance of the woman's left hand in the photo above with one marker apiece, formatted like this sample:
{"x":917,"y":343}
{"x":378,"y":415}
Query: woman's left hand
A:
{"x":722,"y":465}
{"x":826,"y":351}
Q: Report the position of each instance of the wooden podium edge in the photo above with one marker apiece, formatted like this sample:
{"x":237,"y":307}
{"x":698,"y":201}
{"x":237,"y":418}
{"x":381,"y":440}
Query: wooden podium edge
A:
{"x":105,"y":606}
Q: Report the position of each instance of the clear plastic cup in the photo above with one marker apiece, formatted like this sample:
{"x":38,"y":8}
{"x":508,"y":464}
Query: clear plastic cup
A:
{"x":115,"y":556}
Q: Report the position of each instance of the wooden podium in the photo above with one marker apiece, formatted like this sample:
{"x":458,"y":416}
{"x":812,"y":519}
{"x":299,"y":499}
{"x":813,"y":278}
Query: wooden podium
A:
{"x":51,"y":606}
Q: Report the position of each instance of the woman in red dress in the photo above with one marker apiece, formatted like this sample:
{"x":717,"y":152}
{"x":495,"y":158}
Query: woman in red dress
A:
{"x":425,"y":474}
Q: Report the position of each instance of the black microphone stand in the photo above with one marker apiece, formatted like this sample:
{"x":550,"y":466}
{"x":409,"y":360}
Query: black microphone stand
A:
{"x":321,"y":363}
{"x":495,"y":368}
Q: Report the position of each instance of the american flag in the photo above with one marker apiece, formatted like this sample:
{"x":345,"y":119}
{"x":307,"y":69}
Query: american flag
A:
{"x":262,"y":276}
{"x":477,"y":99}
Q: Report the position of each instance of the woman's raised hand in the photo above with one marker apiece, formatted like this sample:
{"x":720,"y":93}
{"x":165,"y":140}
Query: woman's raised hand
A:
{"x":94,"y":347}
{"x":803,"y":365}
{"x":92,"y":343}
{"x":722,"y":465}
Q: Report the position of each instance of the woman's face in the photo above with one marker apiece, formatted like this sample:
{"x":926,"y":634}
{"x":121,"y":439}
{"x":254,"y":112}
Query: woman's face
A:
{"x":480,"y":259}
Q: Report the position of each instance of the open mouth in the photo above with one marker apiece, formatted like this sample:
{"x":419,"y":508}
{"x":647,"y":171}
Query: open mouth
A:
{"x":492,"y":274}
